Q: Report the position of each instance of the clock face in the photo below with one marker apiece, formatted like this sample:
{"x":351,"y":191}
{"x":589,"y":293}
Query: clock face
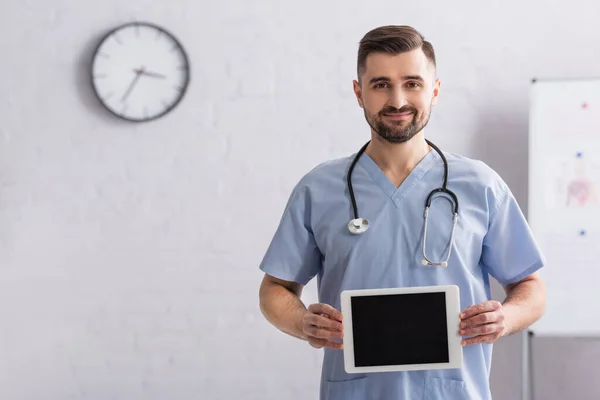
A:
{"x":140,"y":72}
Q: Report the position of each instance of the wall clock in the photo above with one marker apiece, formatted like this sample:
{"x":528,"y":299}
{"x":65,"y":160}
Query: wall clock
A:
{"x":140,"y":71}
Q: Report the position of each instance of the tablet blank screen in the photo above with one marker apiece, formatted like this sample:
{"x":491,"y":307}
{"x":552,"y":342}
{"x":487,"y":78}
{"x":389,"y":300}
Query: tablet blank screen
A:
{"x":400,"y":329}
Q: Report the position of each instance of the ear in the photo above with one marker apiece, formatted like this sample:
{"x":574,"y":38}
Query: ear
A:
{"x":358,"y":93}
{"x":436,"y":92}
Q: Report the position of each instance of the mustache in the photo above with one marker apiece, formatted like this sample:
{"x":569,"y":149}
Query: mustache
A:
{"x":402,"y":110}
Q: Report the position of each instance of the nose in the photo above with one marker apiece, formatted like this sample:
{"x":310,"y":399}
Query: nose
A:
{"x":397,"y":99}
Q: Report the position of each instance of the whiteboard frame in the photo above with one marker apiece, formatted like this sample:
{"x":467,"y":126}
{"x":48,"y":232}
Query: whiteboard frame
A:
{"x":536,"y":187}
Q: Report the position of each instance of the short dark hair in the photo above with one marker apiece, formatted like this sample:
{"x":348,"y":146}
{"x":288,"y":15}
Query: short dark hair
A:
{"x":392,"y":39}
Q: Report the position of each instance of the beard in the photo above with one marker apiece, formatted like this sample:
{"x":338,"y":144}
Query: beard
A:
{"x":398,"y":131}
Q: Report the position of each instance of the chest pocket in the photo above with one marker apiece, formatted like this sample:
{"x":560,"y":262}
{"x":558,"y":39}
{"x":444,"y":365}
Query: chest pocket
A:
{"x":355,"y":389}
{"x":438,"y":388}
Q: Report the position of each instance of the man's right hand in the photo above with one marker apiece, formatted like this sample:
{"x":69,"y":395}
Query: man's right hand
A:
{"x":320,"y":324}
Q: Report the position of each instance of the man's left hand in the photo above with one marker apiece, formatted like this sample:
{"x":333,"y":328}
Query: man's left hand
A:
{"x":484,"y":322}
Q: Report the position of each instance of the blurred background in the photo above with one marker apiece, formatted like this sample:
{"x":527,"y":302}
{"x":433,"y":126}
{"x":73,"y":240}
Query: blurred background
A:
{"x":129,"y":252}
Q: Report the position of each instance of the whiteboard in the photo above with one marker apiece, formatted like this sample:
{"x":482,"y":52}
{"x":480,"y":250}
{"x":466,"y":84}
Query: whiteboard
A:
{"x":564,"y":202}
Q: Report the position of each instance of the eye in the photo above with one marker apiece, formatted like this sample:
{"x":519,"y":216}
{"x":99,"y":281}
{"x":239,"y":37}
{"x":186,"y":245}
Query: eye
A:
{"x":380,"y":85}
{"x":413,"y":85}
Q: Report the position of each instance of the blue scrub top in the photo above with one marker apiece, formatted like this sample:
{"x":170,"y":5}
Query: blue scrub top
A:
{"x":492,"y":238}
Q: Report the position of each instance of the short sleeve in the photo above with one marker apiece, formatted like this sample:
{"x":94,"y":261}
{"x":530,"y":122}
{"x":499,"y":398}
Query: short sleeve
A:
{"x":293,"y":254}
{"x":510,"y":252}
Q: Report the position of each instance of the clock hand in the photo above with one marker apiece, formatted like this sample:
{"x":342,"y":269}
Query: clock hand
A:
{"x":149,"y":73}
{"x":131,"y":85}
{"x":155,"y":75}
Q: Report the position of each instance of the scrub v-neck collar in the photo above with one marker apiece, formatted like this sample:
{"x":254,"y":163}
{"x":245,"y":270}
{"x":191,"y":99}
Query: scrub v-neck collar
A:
{"x":396,"y":194}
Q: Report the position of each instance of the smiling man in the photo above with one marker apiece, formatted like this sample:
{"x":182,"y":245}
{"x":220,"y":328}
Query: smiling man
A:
{"x":392,"y":176}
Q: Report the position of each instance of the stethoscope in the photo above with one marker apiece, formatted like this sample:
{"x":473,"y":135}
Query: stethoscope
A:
{"x":359,"y":225}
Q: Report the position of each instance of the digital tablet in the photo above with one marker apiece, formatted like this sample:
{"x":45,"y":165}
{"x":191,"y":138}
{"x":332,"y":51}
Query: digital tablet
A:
{"x":401,"y":329}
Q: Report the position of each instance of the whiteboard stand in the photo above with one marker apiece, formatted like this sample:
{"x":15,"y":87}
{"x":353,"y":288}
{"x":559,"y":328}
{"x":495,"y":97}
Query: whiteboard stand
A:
{"x":564,"y":153}
{"x":527,"y":385}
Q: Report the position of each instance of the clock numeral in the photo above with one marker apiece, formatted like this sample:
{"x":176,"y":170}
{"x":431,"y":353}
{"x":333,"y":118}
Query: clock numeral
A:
{"x":145,"y":112}
{"x":100,"y":76}
{"x":117,"y":39}
{"x":102,"y":54}
{"x":136,"y":28}
{"x":182,"y":68}
{"x":108,"y":96}
{"x":158,"y":34}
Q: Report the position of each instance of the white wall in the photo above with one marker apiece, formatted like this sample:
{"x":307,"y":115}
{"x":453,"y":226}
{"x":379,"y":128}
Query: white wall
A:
{"x":129,"y":253}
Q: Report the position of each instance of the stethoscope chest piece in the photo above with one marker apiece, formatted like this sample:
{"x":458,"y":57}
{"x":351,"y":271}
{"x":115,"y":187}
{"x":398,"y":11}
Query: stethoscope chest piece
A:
{"x":358,"y":225}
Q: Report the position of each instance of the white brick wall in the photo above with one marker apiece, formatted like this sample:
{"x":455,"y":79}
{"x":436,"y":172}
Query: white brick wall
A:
{"x":129,"y":253}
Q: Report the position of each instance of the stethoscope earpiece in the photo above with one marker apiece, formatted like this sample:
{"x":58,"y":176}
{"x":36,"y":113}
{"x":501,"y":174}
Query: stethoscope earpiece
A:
{"x":358,"y":225}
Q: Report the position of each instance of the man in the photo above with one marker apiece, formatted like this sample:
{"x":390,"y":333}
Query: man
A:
{"x":397,"y":88}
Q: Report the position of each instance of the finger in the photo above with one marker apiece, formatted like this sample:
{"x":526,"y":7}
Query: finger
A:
{"x":326,"y":309}
{"x":320,"y":343}
{"x":480,"y":319}
{"x":480,"y":308}
{"x":322,"y":333}
{"x":491,"y":338}
{"x":486,"y":329}
{"x":323,"y":322}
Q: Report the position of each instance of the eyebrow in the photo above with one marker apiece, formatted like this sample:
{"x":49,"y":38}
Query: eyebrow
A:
{"x":405,"y":78}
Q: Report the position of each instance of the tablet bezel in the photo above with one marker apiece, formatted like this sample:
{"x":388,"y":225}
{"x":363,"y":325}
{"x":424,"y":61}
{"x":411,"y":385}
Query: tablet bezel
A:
{"x":455,"y":350}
